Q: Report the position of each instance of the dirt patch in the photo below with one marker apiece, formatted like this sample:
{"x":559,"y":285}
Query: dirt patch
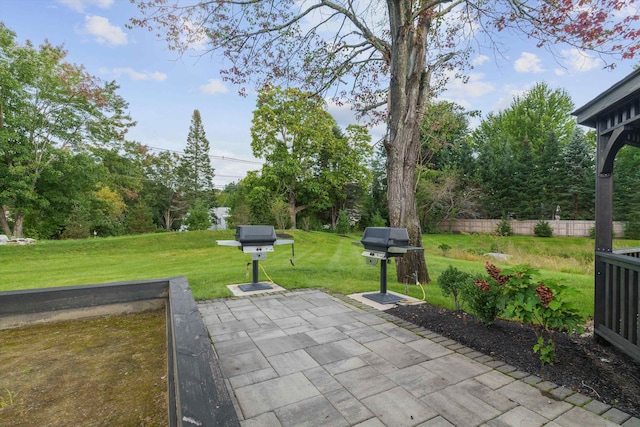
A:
{"x":105,"y":371}
{"x":598,"y":371}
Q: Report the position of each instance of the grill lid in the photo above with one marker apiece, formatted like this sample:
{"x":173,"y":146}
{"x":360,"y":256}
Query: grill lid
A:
{"x":255,"y":234}
{"x":382,"y":238}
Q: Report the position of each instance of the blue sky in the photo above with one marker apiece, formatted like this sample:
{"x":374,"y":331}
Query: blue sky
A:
{"x":163,"y":89}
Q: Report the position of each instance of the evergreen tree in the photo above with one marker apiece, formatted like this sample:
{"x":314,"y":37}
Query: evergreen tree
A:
{"x":549,"y":177}
{"x":578,"y":182}
{"x":195,"y":170}
{"x":626,"y":198}
{"x":140,"y":219}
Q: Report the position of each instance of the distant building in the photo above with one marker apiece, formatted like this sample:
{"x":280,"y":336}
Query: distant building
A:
{"x":220,"y":223}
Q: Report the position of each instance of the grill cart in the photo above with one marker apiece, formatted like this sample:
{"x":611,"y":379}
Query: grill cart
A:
{"x":382,"y":244}
{"x":256,"y":240}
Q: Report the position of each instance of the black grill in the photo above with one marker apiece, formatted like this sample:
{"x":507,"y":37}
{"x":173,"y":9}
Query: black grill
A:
{"x":256,"y":240}
{"x":386,"y":239}
{"x":380,"y":244}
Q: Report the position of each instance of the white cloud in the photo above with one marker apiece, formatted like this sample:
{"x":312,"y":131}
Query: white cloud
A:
{"x":479,"y":60}
{"x":103,"y":31}
{"x":528,"y":63}
{"x":475,"y":87}
{"x":578,"y":60}
{"x":213,"y":86}
{"x":510,"y":92}
{"x":80,"y":5}
{"x":135,"y":75}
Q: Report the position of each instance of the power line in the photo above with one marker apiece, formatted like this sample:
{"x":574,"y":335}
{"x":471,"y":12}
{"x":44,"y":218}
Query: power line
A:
{"x":211,"y":156}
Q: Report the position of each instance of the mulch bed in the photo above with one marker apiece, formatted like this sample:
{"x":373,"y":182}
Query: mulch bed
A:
{"x":598,"y":371}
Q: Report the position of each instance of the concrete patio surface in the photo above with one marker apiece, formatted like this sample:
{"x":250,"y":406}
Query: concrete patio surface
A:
{"x":308,"y":358}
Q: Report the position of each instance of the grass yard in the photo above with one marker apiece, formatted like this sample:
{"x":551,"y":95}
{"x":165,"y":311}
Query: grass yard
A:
{"x":321,"y":260}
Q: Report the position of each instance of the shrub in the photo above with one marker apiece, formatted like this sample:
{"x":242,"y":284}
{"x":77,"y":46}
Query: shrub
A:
{"x":542,"y":229}
{"x":343,"y":226}
{"x":486,"y":296}
{"x":632,"y":228}
{"x":504,"y":228}
{"x":444,"y":248}
{"x":198,"y":218}
{"x":452,"y":282}
{"x":542,"y":304}
{"x":377,"y":220}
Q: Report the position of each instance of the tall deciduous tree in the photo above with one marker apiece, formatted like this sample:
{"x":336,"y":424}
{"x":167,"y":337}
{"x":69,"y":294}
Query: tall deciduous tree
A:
{"x":162,"y":192}
{"x":47,"y":105}
{"x":195,"y":170}
{"x":380,"y":56}
{"x":289,"y":130}
{"x":342,"y":169}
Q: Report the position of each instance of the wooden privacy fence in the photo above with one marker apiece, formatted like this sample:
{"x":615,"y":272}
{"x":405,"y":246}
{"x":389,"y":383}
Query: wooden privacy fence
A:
{"x":617,"y":318}
{"x":525,"y":227}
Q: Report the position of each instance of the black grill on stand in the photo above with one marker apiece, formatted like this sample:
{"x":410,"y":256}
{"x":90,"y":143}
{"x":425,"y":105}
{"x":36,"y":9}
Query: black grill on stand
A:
{"x":256,"y":240}
{"x":382,"y":244}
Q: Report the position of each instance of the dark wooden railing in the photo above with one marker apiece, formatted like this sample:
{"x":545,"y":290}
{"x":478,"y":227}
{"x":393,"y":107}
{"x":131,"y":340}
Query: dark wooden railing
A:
{"x":617,"y":299}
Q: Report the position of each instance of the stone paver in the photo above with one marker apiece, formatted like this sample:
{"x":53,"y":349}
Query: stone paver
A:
{"x":307,"y":358}
{"x":518,"y":416}
{"x":532,"y":398}
{"x":385,"y":406}
{"x":268,"y":395}
{"x":578,"y":417}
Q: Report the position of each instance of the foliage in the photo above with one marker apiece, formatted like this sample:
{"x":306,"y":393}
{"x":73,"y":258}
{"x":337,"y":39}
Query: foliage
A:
{"x":343,"y":226}
{"x":484,"y":298}
{"x":520,"y":165}
{"x":308,"y":160}
{"x":578,"y":183}
{"x":162,"y":192}
{"x":140,"y":219}
{"x":542,"y":229}
{"x":377,"y":220}
{"x":78,"y":224}
{"x":47,"y":105}
{"x":632,"y":228}
{"x":442,"y":195}
{"x":540,"y":303}
{"x":626,"y":198}
{"x":198,"y":218}
{"x":504,"y":228}
{"x":444,"y":248}
{"x":280,"y":211}
{"x":453,"y":282}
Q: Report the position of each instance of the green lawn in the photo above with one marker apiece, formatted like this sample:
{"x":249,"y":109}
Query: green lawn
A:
{"x":321,"y":260}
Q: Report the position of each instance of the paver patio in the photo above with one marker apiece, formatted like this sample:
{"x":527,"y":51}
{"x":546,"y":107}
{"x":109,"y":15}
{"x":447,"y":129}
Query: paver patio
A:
{"x":307,"y":358}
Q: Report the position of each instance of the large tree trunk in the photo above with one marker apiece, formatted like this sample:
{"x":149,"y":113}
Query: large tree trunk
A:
{"x":3,"y":221}
{"x":168,"y":219}
{"x":408,"y":92}
{"x":17,"y":226}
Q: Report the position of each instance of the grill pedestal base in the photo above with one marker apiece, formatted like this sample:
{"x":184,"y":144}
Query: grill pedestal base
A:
{"x":383,"y":298}
{"x":250,"y":287}
{"x":255,"y":285}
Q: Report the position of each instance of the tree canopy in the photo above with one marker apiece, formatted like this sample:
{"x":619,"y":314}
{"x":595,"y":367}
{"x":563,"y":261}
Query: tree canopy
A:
{"x":48,"y":107}
{"x":307,"y":161}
